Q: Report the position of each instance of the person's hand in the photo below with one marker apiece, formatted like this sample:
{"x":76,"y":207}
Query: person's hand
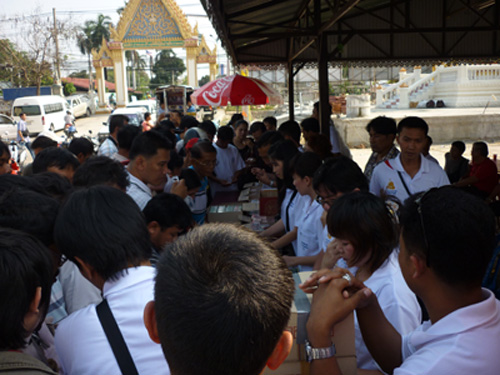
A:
{"x":332,"y":302}
{"x":261,"y":175}
{"x":290,"y":261}
{"x":257,"y":172}
{"x":332,"y":254}
{"x":179,"y":188}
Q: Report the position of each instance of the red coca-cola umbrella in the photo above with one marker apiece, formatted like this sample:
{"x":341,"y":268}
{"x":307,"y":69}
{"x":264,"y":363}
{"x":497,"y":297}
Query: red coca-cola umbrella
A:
{"x":236,"y":90}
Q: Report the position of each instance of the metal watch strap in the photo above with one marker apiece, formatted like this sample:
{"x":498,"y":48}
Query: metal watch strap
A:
{"x":319,"y":353}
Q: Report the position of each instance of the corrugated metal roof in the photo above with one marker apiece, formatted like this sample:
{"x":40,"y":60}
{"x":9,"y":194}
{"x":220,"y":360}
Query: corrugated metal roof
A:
{"x":370,"y":32}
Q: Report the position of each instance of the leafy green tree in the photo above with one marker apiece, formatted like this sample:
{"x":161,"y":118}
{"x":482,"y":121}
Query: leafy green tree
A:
{"x":203,"y":80}
{"x":136,"y":61}
{"x":69,"y":89}
{"x":167,"y":68}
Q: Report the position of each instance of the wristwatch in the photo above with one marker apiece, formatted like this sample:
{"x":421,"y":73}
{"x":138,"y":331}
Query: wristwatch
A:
{"x":319,"y":353}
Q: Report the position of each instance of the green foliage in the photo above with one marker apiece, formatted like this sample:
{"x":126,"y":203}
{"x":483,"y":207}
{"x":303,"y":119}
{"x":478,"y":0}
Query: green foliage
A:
{"x":69,"y":89}
{"x":167,"y":68}
{"x":204,"y":80}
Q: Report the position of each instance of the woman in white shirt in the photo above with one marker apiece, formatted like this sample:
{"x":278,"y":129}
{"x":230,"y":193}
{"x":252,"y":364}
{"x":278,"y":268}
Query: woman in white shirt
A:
{"x":308,"y":222}
{"x":365,"y":238}
{"x":280,"y":154}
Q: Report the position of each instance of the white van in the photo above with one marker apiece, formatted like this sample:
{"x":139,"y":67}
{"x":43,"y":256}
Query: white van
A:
{"x":44,"y":112}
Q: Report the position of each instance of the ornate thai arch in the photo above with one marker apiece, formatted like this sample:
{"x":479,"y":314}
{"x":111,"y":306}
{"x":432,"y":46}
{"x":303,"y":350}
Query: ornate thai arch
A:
{"x":150,"y":24}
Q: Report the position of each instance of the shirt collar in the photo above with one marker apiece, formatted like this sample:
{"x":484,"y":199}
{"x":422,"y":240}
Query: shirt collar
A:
{"x":141,"y":185}
{"x":128,"y":277}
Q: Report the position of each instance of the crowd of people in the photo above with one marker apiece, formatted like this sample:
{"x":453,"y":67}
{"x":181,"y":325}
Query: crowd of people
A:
{"x":109,"y":264}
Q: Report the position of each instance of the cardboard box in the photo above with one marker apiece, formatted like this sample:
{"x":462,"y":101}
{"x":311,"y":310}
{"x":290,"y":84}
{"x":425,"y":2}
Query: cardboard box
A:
{"x":268,"y":203}
{"x":296,"y":363}
{"x":224,"y":213}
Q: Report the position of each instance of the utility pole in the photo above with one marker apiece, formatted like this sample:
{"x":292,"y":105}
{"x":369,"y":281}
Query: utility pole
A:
{"x":58,"y":68}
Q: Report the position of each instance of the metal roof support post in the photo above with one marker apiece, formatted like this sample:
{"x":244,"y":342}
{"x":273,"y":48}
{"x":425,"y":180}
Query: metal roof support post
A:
{"x":291,"y":104}
{"x":324,"y":105}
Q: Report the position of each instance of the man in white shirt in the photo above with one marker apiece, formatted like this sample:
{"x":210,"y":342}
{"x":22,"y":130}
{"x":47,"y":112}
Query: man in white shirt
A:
{"x":446,"y":243}
{"x":410,"y":172}
{"x":110,"y":144}
{"x":229,"y":163}
{"x":103,"y":231}
{"x":248,"y":292}
{"x":149,"y":156}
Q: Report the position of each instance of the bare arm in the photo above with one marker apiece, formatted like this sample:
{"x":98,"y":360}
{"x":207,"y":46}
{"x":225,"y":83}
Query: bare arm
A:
{"x":467,"y":181}
{"x":277,"y":229}
{"x":300,"y":261}
{"x":286,"y":239}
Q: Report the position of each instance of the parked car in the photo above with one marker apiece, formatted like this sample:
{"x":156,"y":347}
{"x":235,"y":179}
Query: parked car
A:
{"x":44,"y":112}
{"x":135,"y":117}
{"x":78,"y":106}
{"x":148,"y":105}
{"x":8,"y":128}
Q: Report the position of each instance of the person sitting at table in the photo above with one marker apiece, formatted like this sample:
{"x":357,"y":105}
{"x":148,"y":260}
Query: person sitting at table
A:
{"x":308,"y":222}
{"x":483,"y":174}
{"x":203,"y":160}
{"x":446,"y":242}
{"x":365,"y":240}
{"x":229,"y":164}
{"x":289,"y":199}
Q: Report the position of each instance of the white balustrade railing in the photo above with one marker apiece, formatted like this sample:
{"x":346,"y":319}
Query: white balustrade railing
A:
{"x":416,"y":83}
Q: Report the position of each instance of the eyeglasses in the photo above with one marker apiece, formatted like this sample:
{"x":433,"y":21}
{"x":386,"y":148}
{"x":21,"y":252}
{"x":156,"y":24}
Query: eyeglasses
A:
{"x":328,"y":200}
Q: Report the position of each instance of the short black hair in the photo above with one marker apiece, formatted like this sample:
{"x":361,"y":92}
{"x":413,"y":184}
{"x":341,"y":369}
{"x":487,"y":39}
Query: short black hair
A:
{"x":225,"y":133}
{"x":240,"y":122}
{"x":382,"y":125}
{"x":413,"y":122}
{"x":454,"y":231}
{"x":200,"y":147}
{"x":26,"y":264}
{"x":429,"y":139}
{"x":191,"y":177}
{"x":146,"y":115}
{"x":320,"y":144}
{"x":364,"y":219}
{"x":316,"y":106}
{"x":188,"y":122}
{"x":4,"y":148}
{"x":209,"y":127}
{"x":227,"y":276}
{"x":176,"y":161}
{"x":310,"y":124}
{"x":305,"y":164}
{"x":105,"y":228}
{"x":235,"y":117}
{"x":101,"y":170}
{"x":81,"y":145}
{"x":148,"y":143}
{"x":54,"y":157}
{"x":168,"y":210}
{"x":29,"y":211}
{"x":11,"y":182}
{"x":459,"y":145}
{"x":271,"y":120}
{"x":481,"y":147}
{"x":117,"y":121}
{"x":269,"y":138}
{"x":166,"y":128}
{"x":43,"y":142}
{"x":126,"y":136}
{"x":340,"y":175}
{"x":256,"y":126}
{"x":292,"y":129}
{"x":54,"y":184}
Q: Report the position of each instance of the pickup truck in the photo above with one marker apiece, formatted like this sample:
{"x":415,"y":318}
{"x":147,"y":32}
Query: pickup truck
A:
{"x":77,"y":106}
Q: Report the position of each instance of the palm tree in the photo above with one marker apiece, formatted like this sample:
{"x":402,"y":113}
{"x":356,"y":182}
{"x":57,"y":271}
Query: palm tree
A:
{"x":136,"y":61}
{"x":91,"y":36}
